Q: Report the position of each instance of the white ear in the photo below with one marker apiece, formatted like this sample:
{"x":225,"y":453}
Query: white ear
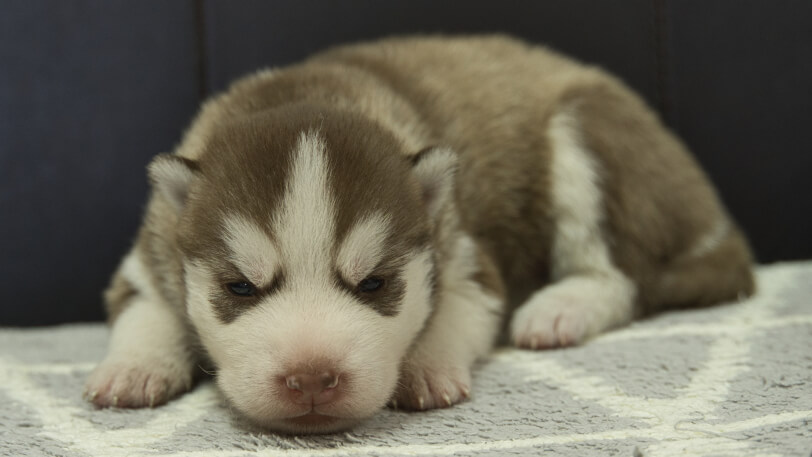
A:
{"x":171,"y":176}
{"x":435,"y":169}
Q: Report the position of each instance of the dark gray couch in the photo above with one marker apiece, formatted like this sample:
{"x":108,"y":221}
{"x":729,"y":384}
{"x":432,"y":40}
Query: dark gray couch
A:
{"x":91,"y":90}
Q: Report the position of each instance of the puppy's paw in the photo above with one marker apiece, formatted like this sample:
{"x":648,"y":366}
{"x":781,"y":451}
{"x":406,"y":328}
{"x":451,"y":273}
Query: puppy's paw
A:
{"x":573,"y":310}
{"x":136,"y":384}
{"x":428,"y":386}
{"x":551,"y":322}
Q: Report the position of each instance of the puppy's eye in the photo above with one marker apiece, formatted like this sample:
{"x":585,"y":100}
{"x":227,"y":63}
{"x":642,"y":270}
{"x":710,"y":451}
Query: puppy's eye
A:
{"x":243,"y":289}
{"x":370,"y":284}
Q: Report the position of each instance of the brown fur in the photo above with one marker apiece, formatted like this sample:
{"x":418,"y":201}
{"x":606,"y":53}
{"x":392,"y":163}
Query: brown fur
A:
{"x":251,"y":155}
{"x":490,"y":99}
{"x":659,"y":206}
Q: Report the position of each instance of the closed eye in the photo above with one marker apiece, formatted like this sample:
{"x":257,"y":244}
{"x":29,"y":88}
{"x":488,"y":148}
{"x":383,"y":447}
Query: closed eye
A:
{"x":241,"y":288}
{"x":371,"y":284}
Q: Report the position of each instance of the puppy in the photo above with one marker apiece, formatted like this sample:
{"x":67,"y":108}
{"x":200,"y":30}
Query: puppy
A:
{"x":356,"y":229}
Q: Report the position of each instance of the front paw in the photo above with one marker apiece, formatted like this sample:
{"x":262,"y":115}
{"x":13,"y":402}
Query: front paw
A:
{"x":428,"y":386}
{"x":136,"y":384}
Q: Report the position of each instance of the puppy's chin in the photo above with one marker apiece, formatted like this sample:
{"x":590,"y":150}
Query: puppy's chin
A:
{"x":301,"y":421}
{"x":308,"y":424}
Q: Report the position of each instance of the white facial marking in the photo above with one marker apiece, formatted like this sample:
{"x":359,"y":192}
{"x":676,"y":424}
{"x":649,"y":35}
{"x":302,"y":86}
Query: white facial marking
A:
{"x":310,"y":322}
{"x":305,"y":225}
{"x":416,"y":304}
{"x":252,"y":251}
{"x":309,"y":326}
{"x":363,"y":247}
{"x":199,"y":281}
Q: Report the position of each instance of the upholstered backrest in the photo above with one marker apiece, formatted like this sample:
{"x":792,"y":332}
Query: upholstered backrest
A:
{"x":90,"y":91}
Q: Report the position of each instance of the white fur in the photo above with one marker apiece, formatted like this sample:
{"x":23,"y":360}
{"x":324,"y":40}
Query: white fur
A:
{"x":305,"y":226}
{"x":435,"y":172}
{"x":303,"y":325}
{"x":363,"y":247}
{"x":463,"y":328}
{"x":146,"y":311}
{"x":311,"y":321}
{"x":133,"y":270}
{"x":172,"y":179}
{"x":251,"y":250}
{"x":712,"y":239}
{"x":578,"y":244}
{"x":591,"y":294}
{"x":139,"y":371}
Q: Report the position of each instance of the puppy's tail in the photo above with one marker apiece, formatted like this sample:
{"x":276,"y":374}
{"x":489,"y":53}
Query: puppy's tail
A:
{"x":713,"y":273}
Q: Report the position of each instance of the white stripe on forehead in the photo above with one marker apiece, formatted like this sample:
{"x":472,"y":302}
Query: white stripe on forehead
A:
{"x":305,"y":224}
{"x":252,"y":251}
{"x":363,"y":247}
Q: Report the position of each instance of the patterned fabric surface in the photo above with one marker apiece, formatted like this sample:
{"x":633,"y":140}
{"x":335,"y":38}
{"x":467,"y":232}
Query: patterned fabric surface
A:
{"x":733,"y":380}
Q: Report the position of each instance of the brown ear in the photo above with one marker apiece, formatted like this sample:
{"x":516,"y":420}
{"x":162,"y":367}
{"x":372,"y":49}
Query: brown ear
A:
{"x":171,"y":176}
{"x":435,"y":169}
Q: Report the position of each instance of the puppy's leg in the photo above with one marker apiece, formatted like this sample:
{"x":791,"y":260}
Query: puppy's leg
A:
{"x":572,"y":310}
{"x":437,"y":371}
{"x":149,"y":359}
{"x":590,"y":294}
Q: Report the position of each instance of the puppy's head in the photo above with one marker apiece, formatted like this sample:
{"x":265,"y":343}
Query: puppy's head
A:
{"x":307,"y":249}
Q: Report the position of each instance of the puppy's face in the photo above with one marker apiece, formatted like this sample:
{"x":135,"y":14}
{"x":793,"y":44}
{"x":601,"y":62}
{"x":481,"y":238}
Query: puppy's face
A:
{"x":308,"y":267}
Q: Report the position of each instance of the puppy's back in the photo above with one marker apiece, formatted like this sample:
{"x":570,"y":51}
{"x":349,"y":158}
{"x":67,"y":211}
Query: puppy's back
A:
{"x":492,"y":99}
{"x":495,"y":100}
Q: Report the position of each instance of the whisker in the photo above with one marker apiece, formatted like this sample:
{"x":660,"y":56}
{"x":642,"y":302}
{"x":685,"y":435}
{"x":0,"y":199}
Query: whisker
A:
{"x":210,"y":373}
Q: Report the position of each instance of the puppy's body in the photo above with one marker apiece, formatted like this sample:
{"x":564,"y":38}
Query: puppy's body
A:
{"x":387,"y":203}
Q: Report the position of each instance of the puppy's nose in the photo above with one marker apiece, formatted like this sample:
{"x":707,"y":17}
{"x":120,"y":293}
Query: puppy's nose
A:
{"x":311,"y":383}
{"x":317,"y":388}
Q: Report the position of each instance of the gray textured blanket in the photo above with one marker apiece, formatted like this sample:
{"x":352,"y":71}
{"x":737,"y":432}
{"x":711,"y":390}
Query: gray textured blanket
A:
{"x":734,"y":380}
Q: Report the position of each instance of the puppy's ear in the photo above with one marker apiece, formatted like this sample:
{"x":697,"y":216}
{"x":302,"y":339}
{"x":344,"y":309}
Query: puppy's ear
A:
{"x":171,"y":176}
{"x":436,"y":169}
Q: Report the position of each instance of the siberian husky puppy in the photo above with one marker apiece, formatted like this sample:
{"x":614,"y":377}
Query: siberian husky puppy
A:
{"x":354,"y":230}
